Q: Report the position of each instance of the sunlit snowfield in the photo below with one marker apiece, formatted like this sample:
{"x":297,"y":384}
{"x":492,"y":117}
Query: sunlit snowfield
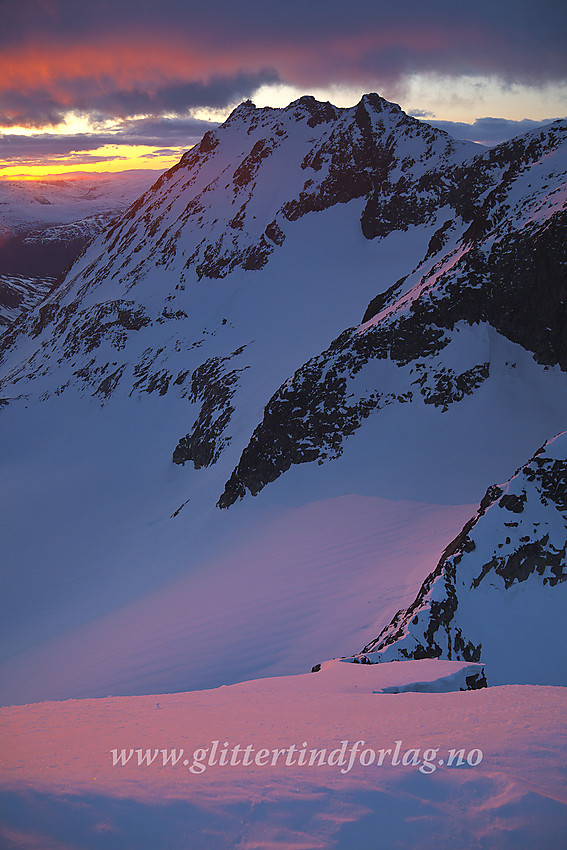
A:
{"x":62,"y":790}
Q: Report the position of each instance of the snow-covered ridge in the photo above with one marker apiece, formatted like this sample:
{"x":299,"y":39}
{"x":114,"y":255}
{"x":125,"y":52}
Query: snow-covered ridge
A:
{"x":422,"y":676}
{"x":502,"y":580}
{"x":511,"y":206}
{"x":228,"y":202}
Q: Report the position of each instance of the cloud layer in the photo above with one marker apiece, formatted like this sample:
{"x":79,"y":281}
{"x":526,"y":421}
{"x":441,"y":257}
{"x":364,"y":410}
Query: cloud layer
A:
{"x":487,"y":131}
{"x":138,"y":57}
{"x":168,"y":135}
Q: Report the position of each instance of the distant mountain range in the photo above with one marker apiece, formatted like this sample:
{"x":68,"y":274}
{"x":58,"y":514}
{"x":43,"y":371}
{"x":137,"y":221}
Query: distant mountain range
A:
{"x":45,"y":224}
{"x":314,"y":304}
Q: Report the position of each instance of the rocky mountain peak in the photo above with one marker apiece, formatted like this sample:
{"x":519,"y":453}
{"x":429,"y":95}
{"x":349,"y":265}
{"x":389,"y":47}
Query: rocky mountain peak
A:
{"x":242,"y":112}
{"x":317,"y":112}
{"x":206,"y":351}
{"x":509,"y":559}
{"x":239,"y":221}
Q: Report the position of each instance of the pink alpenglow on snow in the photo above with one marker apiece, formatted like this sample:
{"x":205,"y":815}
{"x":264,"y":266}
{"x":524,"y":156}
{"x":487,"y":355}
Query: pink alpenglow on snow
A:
{"x":440,"y":769}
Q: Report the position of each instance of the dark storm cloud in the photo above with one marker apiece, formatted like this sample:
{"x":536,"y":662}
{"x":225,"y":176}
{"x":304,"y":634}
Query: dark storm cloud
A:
{"x":177,"y":97}
{"x":16,"y":147}
{"x":35,"y":108}
{"x":38,"y":107}
{"x":160,"y":131}
{"x":519,"y":24}
{"x":128,"y":57}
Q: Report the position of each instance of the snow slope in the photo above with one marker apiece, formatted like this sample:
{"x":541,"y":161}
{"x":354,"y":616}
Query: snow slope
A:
{"x":59,"y":787}
{"x":199,"y":329}
{"x":499,"y":584}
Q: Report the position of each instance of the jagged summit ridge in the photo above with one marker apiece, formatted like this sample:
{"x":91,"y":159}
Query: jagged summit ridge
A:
{"x":304,"y":108}
{"x":220,"y":206}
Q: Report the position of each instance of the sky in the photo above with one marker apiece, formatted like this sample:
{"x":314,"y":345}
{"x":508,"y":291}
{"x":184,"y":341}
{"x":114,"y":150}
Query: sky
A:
{"x":109,"y":85}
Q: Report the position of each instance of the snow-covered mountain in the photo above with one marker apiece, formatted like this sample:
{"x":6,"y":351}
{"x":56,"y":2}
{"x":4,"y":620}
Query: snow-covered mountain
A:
{"x":499,"y":584}
{"x":342,"y":312}
{"x":495,"y":270}
{"x":228,"y":204}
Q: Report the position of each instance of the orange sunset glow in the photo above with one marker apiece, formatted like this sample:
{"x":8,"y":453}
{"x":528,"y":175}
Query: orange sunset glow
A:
{"x":116,"y":72}
{"x":121,"y":63}
{"x":110,"y":158}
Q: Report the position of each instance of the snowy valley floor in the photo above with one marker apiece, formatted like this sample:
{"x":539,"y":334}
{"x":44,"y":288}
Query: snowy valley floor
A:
{"x":60,"y":790}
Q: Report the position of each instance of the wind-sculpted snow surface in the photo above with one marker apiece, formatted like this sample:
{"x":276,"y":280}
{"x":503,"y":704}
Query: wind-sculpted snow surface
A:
{"x":499,"y":585}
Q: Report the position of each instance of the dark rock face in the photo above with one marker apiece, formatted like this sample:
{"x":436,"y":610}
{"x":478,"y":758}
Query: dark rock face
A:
{"x":310,"y":416}
{"x":319,"y":113}
{"x":476,"y":681}
{"x":526,"y":553}
{"x":108,"y":384}
{"x":518,"y":285}
{"x":108,"y":318}
{"x":213,"y":386}
{"x":46,"y":315}
{"x":526,"y":288}
{"x":506,"y":267}
{"x":249,"y":166}
{"x":20,"y":294}
{"x":362,"y":157}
